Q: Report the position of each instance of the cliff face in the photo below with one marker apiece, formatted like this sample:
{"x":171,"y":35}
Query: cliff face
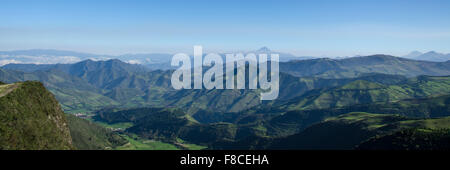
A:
{"x":31,"y":118}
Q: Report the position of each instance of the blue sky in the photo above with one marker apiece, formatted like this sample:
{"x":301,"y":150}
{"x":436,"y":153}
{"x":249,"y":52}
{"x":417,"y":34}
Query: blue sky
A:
{"x":314,"y":28}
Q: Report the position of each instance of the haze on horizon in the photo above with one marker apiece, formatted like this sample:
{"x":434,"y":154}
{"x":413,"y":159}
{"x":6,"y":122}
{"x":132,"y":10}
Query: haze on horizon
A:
{"x":304,"y":28}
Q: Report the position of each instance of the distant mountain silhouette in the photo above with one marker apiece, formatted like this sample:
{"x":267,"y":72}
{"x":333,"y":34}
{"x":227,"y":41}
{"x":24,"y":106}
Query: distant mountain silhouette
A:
{"x":429,"y":56}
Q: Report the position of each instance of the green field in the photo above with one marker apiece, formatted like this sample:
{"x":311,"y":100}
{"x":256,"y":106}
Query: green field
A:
{"x":135,"y":143}
{"x":121,"y":125}
{"x":391,"y":121}
{"x":190,"y":146}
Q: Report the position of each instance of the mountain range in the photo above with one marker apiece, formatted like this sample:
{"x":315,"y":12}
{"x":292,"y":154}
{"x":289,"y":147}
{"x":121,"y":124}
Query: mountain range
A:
{"x":157,"y":60}
{"x":90,"y":85}
{"x":369,"y":98}
{"x":154,"y":61}
{"x":428,"y":56}
{"x":355,"y":66}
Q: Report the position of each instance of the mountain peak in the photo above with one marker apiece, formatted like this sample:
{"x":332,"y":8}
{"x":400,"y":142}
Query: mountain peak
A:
{"x":380,"y":56}
{"x":263,"y":49}
{"x":431,"y":52}
{"x":413,"y":54}
{"x":115,"y":61}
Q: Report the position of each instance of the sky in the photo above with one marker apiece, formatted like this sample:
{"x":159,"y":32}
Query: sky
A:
{"x":305,"y":28}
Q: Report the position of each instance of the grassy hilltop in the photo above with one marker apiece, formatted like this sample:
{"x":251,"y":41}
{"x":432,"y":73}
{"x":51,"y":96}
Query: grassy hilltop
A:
{"x":30,"y":118}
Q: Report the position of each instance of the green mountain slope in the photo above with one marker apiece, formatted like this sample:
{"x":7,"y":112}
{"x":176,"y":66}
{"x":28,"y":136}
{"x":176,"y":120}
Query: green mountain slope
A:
{"x":169,"y":125}
{"x":355,"y":66}
{"x":410,"y":139}
{"x":90,"y":136}
{"x":89,"y":85}
{"x":73,"y":93}
{"x":276,"y":122}
{"x":363,"y":92}
{"x":349,"y":130}
{"x":31,"y":118}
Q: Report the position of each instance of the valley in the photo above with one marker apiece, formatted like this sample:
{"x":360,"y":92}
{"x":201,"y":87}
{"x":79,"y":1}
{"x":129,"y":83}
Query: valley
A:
{"x":322,"y":104}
